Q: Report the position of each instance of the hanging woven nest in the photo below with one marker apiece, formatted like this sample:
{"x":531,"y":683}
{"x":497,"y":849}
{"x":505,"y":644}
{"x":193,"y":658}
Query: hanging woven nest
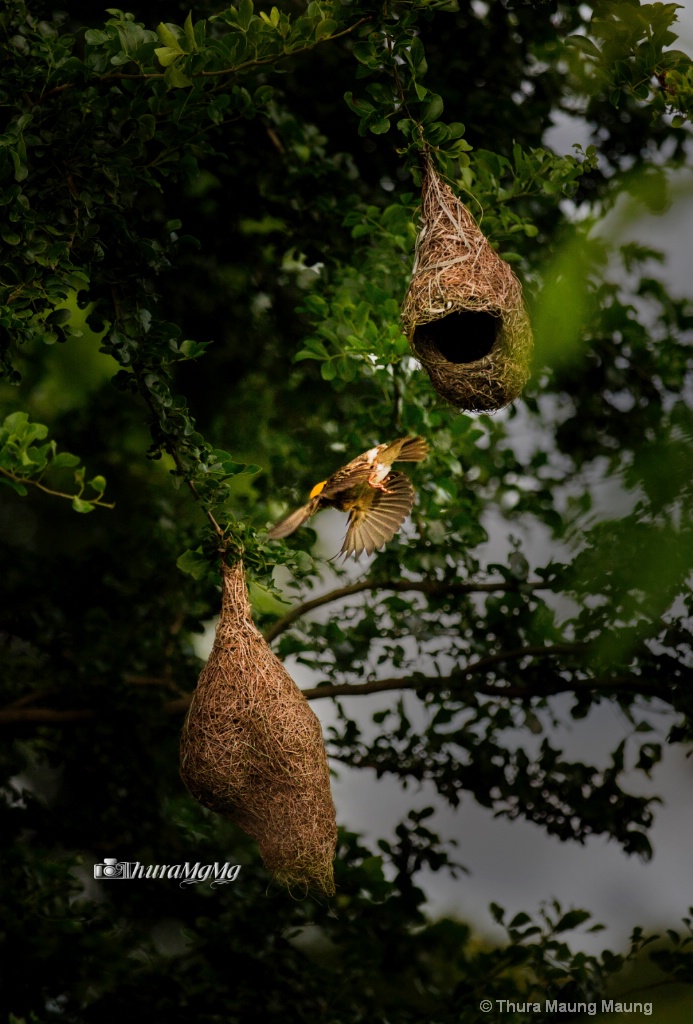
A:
{"x":463,"y":313}
{"x":252,"y":749}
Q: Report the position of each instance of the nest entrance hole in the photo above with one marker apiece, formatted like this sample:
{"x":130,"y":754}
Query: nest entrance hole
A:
{"x":461,"y":337}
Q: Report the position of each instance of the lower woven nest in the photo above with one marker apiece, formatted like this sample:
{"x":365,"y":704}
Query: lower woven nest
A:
{"x":463,"y":313}
{"x":252,"y":749}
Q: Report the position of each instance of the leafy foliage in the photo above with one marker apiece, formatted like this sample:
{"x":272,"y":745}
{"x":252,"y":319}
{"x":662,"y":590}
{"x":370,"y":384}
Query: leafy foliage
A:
{"x":208,"y":225}
{"x":23,"y":461}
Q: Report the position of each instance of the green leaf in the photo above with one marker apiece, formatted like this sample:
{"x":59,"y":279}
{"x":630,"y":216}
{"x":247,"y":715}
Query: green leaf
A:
{"x":306,"y":353}
{"x":167,"y":55}
{"x":358,"y":106}
{"x":82,"y":506}
{"x":365,"y":54}
{"x":96,"y":37}
{"x":379,"y":126}
{"x":190,"y":34}
{"x":193,"y":563}
{"x":433,"y":108}
{"x":571,"y":920}
{"x":175,"y":78}
{"x":325,"y":29}
{"x":417,"y":57}
{"x":583,"y":44}
{"x":65,"y":460}
{"x":59,"y":316}
{"x":147,"y":127}
{"x":437,"y":133}
{"x":265,"y":602}
{"x":168,"y":38}
{"x":245,"y":14}
{"x":9,"y":195}
{"x":16,"y":421}
{"x":497,"y":913}
{"x":14,"y":485}
{"x":98,"y":484}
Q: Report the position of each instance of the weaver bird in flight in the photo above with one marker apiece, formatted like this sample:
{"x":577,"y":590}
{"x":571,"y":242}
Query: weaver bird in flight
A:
{"x":377,"y":500}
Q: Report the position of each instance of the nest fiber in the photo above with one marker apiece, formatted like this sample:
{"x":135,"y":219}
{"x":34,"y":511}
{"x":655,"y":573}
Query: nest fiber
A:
{"x":463,"y":313}
{"x":252,"y":749}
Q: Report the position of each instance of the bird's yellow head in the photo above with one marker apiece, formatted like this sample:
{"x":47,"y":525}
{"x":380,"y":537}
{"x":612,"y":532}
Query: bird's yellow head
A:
{"x":317,"y":489}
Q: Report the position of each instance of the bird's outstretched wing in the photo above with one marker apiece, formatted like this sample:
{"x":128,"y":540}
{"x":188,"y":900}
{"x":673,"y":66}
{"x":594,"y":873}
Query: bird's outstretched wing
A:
{"x":373,"y":465}
{"x":378,"y":517}
{"x":292,"y":522}
{"x":355,"y":472}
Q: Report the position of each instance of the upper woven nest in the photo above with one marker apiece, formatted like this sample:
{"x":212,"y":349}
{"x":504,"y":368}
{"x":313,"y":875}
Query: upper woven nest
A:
{"x":463,"y":313}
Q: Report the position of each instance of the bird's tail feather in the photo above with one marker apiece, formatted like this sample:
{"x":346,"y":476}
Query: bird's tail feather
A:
{"x":413,"y":449}
{"x":291,"y":522}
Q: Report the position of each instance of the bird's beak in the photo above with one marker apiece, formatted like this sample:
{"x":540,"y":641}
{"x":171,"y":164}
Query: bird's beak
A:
{"x":317,"y":489}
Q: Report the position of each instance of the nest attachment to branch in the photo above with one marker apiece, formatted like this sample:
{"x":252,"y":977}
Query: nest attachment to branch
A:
{"x":252,"y":749}
{"x":463,"y":313}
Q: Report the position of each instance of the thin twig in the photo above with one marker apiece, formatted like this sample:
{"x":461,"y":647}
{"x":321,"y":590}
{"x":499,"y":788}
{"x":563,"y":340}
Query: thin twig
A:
{"x":27,"y":698}
{"x":223,"y":541}
{"x":55,"y":494}
{"x":433,"y":588}
{"x":157,"y":681}
{"x":57,"y":89}
{"x":173,"y":452}
{"x":123,"y":75}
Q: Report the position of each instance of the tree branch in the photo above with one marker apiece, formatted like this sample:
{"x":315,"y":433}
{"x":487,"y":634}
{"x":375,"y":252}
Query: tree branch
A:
{"x":433,"y":588}
{"x":245,"y":66}
{"x":175,"y":455}
{"x":457,"y":682}
{"x":11,"y":716}
{"x":455,"y":679}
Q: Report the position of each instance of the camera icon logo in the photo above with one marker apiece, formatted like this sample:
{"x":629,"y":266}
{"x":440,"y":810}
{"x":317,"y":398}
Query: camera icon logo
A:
{"x":111,"y":868}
